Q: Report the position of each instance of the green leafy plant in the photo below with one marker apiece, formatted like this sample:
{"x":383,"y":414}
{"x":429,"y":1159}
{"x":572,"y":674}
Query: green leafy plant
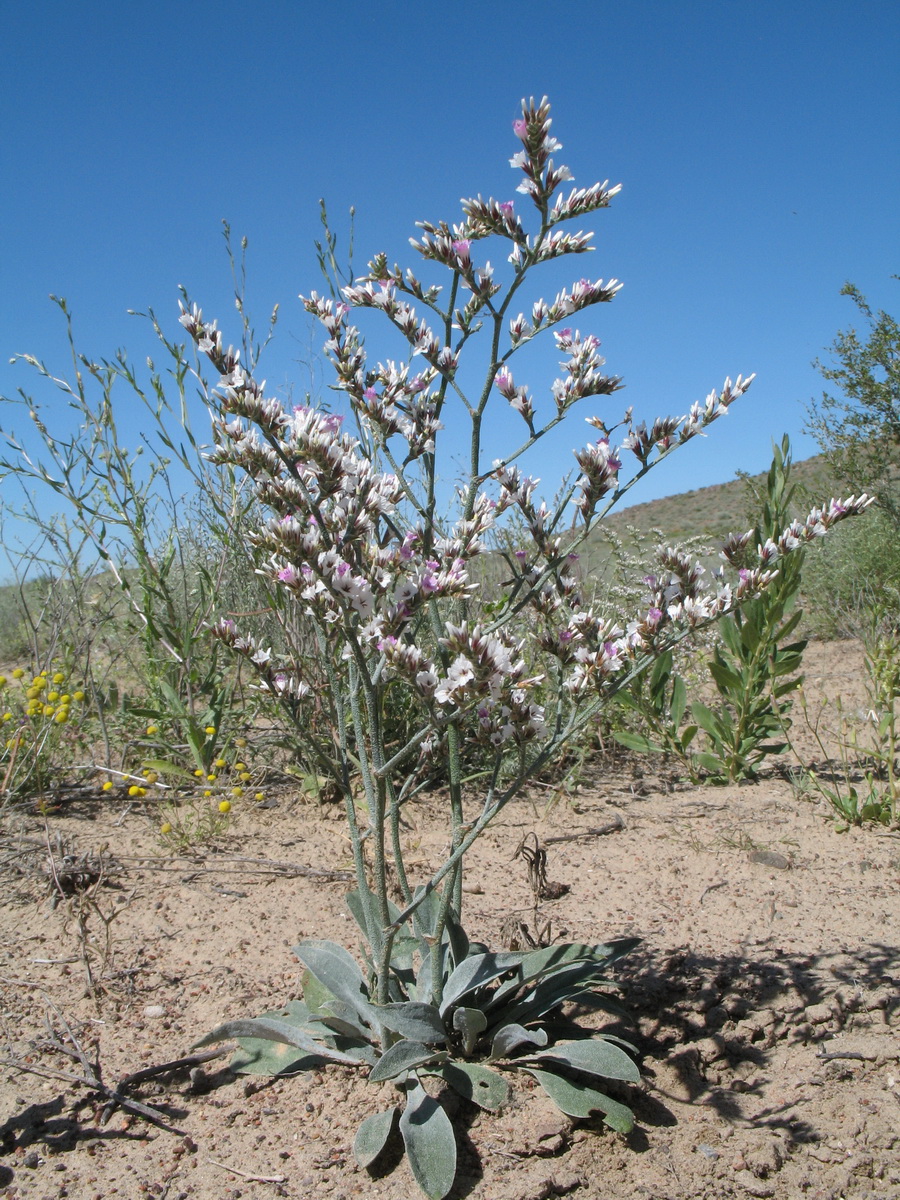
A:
{"x":44,"y":724}
{"x":859,"y":429}
{"x":659,"y":699}
{"x":495,"y":1018}
{"x":864,"y":782}
{"x":755,"y":668}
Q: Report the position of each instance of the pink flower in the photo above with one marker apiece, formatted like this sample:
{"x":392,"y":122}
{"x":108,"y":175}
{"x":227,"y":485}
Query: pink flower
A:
{"x":461,"y":249}
{"x":520,"y":129}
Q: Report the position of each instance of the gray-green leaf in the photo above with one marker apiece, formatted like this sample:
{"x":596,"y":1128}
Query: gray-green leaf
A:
{"x":336,"y":969}
{"x":475,"y":971}
{"x":372,"y":1135}
{"x":412,"y":1019}
{"x":578,"y":1100}
{"x":275,"y":1031}
{"x":594,"y":1056}
{"x":479,"y":1084}
{"x":510,"y":1037}
{"x":403,"y":1056}
{"x":430,"y":1144}
{"x":470,"y":1023}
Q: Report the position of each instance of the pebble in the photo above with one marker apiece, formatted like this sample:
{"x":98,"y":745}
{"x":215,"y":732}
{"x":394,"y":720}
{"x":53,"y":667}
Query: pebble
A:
{"x":154,"y":1010}
{"x":818,"y":1014}
{"x":756,"y":1187}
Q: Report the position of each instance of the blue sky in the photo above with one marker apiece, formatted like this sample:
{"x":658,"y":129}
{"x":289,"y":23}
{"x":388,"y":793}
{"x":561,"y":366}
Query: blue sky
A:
{"x":756,"y":145}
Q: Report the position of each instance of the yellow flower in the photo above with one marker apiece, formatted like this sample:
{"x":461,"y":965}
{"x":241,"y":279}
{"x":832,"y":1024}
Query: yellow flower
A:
{"x":134,"y":790}
{"x":32,"y":693}
{"x":211,"y":778}
{"x":53,"y":696}
{"x":207,"y":793}
{"x":151,"y":729}
{"x":108,"y":785}
{"x":210,"y":729}
{"x":65,"y":698}
{"x":244,"y":776}
{"x":199,"y":773}
{"x":165,"y":827}
{"x":220,"y":762}
{"x":151,"y":776}
{"x":48,"y":710}
{"x":2,"y":681}
{"x":237,"y":791}
{"x":240,"y":766}
{"x":18,"y":673}
{"x":62,"y":715}
{"x":59,"y":677}
{"x":242,"y":742}
{"x":260,"y":796}
{"x":7,"y":716}
{"x":44,"y":674}
{"x":79,"y":696}
{"x":224,"y":806}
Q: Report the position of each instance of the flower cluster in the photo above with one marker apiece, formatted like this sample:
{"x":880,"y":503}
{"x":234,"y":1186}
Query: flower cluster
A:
{"x":583,"y":376}
{"x":361,"y":549}
{"x":541,"y":176}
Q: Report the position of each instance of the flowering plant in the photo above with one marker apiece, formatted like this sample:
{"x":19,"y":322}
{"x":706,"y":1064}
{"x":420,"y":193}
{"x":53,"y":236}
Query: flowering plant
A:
{"x":358,"y":535}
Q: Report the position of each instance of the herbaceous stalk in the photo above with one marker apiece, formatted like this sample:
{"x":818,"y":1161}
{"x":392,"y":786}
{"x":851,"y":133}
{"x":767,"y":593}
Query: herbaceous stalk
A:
{"x":358,"y":537}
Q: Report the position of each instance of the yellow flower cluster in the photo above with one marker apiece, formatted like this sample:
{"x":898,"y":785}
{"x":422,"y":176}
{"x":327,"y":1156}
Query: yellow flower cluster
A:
{"x":223,"y":782}
{"x":40,"y":700}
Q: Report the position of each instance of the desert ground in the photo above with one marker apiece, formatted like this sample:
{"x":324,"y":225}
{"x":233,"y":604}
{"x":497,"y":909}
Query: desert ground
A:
{"x":766,"y":994}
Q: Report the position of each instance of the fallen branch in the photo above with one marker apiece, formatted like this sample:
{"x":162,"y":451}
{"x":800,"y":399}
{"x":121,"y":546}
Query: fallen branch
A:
{"x":246,"y":1174}
{"x":612,"y":826}
{"x":177,"y":1064}
{"x":90,"y":1078}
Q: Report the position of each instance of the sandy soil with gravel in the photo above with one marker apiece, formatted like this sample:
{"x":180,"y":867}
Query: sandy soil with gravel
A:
{"x":766,"y":995}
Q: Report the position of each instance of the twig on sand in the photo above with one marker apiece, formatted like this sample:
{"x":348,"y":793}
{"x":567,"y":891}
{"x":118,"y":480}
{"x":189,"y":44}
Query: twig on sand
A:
{"x":247,"y":1175}
{"x":177,"y":1064}
{"x":612,"y":826}
{"x":90,"y":1076}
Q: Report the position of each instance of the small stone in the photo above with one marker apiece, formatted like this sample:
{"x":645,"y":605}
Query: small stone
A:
{"x":710,"y":1049}
{"x":706,"y":998}
{"x":756,"y":1187}
{"x":547,"y":1147}
{"x":770,"y":858}
{"x":32,"y":1160}
{"x":818,"y":1014}
{"x":881,"y":998}
{"x":708,"y":1152}
{"x":154,"y":1011}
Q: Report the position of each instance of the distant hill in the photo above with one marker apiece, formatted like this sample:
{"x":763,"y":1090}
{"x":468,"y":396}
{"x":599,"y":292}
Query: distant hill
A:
{"x":723,"y":508}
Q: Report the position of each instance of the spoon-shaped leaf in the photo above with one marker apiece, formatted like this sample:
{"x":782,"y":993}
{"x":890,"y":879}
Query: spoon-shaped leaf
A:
{"x":372,"y":1135}
{"x":578,"y":1100}
{"x":483,"y":1087}
{"x":412,"y":1019}
{"x":593,"y":1056}
{"x":275,"y":1031}
{"x":430,"y":1144}
{"x":403,"y":1056}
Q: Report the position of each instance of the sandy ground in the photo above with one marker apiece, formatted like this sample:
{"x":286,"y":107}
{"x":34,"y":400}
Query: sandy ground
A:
{"x":766,"y":994}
